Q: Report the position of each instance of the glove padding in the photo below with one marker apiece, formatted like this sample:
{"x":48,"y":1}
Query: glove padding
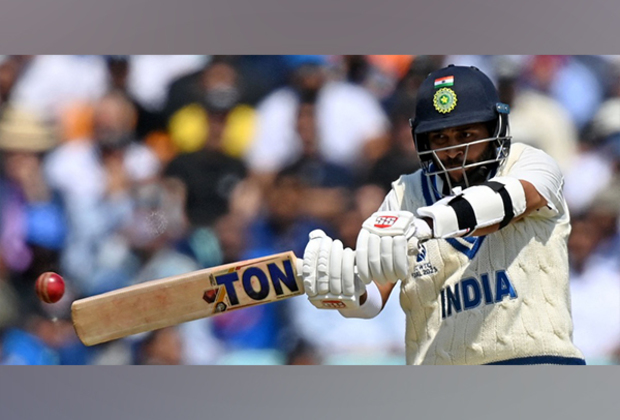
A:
{"x":328,"y":272}
{"x":384,"y":245}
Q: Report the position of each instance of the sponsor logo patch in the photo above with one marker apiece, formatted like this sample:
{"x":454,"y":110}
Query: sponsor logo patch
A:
{"x":383,"y":222}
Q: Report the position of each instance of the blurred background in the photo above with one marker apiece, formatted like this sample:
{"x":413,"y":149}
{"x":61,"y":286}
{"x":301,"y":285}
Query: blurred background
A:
{"x":116,"y":170}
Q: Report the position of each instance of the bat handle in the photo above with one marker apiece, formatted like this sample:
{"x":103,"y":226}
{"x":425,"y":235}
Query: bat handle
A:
{"x":299,"y":265}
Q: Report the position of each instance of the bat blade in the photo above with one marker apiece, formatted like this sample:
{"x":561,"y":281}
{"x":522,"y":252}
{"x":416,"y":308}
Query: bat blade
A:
{"x":161,"y":303}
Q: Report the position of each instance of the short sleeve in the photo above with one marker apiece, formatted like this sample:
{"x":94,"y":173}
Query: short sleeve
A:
{"x":542,"y":171}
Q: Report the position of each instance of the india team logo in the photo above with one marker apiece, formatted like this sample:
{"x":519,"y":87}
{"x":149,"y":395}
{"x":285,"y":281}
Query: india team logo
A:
{"x":383,"y":222}
{"x":444,"y":100}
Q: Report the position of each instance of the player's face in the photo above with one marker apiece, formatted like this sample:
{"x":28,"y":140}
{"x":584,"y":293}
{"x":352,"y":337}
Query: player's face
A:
{"x":456,"y":139}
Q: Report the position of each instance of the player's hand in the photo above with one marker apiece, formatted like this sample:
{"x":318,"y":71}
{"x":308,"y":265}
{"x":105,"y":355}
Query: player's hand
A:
{"x":328,"y":272}
{"x":384,"y":245}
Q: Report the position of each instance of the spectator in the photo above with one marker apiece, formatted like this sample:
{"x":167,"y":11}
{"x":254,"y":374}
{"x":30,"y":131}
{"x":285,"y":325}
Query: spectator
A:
{"x":303,"y":353}
{"x":400,"y":158}
{"x":209,"y":175}
{"x":350,"y":122}
{"x":50,"y":83}
{"x":9,"y":301}
{"x":208,"y":100}
{"x":575,"y":85}
{"x":376,"y":73}
{"x":326,"y":185}
{"x":282,"y":226}
{"x":150,"y":76}
{"x":94,"y":177}
{"x":161,"y":347}
{"x":143,"y":246}
{"x":147,"y":121}
{"x":32,"y":224}
{"x":595,"y":293}
{"x":594,"y":168}
{"x":537,"y":118}
{"x":11,"y":69}
{"x":30,"y":344}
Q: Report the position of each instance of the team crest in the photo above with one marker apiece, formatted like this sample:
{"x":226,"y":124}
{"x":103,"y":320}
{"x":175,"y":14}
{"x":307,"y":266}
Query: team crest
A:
{"x":444,"y":100}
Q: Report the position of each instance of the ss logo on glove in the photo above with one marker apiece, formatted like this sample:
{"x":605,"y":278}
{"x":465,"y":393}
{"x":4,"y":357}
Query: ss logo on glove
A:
{"x":384,"y":244}
{"x":385,"y":221}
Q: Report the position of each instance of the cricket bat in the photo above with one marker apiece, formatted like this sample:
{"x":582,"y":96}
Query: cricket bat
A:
{"x":199,"y":294}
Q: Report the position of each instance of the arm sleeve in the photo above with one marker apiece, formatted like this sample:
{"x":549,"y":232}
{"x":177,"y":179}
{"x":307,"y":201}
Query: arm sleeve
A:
{"x":540,"y":170}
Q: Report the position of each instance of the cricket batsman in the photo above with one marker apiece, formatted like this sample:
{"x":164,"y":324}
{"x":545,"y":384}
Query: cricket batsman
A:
{"x":477,"y":238}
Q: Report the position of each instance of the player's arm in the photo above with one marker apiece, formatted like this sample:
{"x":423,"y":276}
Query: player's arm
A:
{"x":533,"y":201}
{"x":389,"y":239}
{"x":533,"y":183}
{"x":385,"y":290}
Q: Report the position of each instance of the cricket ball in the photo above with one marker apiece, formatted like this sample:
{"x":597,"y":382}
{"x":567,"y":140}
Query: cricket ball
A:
{"x":50,"y":287}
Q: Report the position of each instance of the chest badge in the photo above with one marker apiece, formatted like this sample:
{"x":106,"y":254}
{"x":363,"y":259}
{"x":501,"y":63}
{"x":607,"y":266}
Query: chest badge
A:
{"x":423,"y":266}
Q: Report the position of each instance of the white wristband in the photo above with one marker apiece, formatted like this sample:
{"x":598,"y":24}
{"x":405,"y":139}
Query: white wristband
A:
{"x":370,"y":308}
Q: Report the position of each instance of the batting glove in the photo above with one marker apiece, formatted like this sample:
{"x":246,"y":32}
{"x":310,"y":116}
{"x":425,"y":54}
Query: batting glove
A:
{"x":384,"y":245}
{"x":328,"y":272}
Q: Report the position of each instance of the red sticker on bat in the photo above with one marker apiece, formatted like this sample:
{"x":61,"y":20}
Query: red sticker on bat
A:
{"x":383,"y":222}
{"x":209,"y":295}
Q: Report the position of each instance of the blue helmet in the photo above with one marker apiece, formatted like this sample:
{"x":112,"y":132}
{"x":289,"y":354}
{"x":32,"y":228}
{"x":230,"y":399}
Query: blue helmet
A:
{"x":452,"y":97}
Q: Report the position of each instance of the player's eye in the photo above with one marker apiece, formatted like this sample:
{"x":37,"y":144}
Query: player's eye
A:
{"x":438,"y":139}
{"x":469,"y":135}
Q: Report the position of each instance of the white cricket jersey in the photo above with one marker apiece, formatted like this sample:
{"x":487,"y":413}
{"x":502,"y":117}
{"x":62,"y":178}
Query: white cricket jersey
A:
{"x":502,"y":297}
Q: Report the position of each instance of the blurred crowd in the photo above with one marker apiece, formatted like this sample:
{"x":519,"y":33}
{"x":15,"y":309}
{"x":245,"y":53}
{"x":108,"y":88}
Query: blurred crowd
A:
{"x":116,"y":170}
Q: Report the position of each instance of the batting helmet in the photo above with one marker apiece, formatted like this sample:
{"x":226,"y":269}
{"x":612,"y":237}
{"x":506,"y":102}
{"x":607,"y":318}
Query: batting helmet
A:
{"x":456,"y":96}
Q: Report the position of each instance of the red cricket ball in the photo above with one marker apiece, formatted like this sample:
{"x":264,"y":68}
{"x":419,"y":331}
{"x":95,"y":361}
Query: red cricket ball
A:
{"x":50,"y":287}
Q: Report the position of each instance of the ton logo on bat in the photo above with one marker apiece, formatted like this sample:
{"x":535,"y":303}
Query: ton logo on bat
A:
{"x":271,"y":276}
